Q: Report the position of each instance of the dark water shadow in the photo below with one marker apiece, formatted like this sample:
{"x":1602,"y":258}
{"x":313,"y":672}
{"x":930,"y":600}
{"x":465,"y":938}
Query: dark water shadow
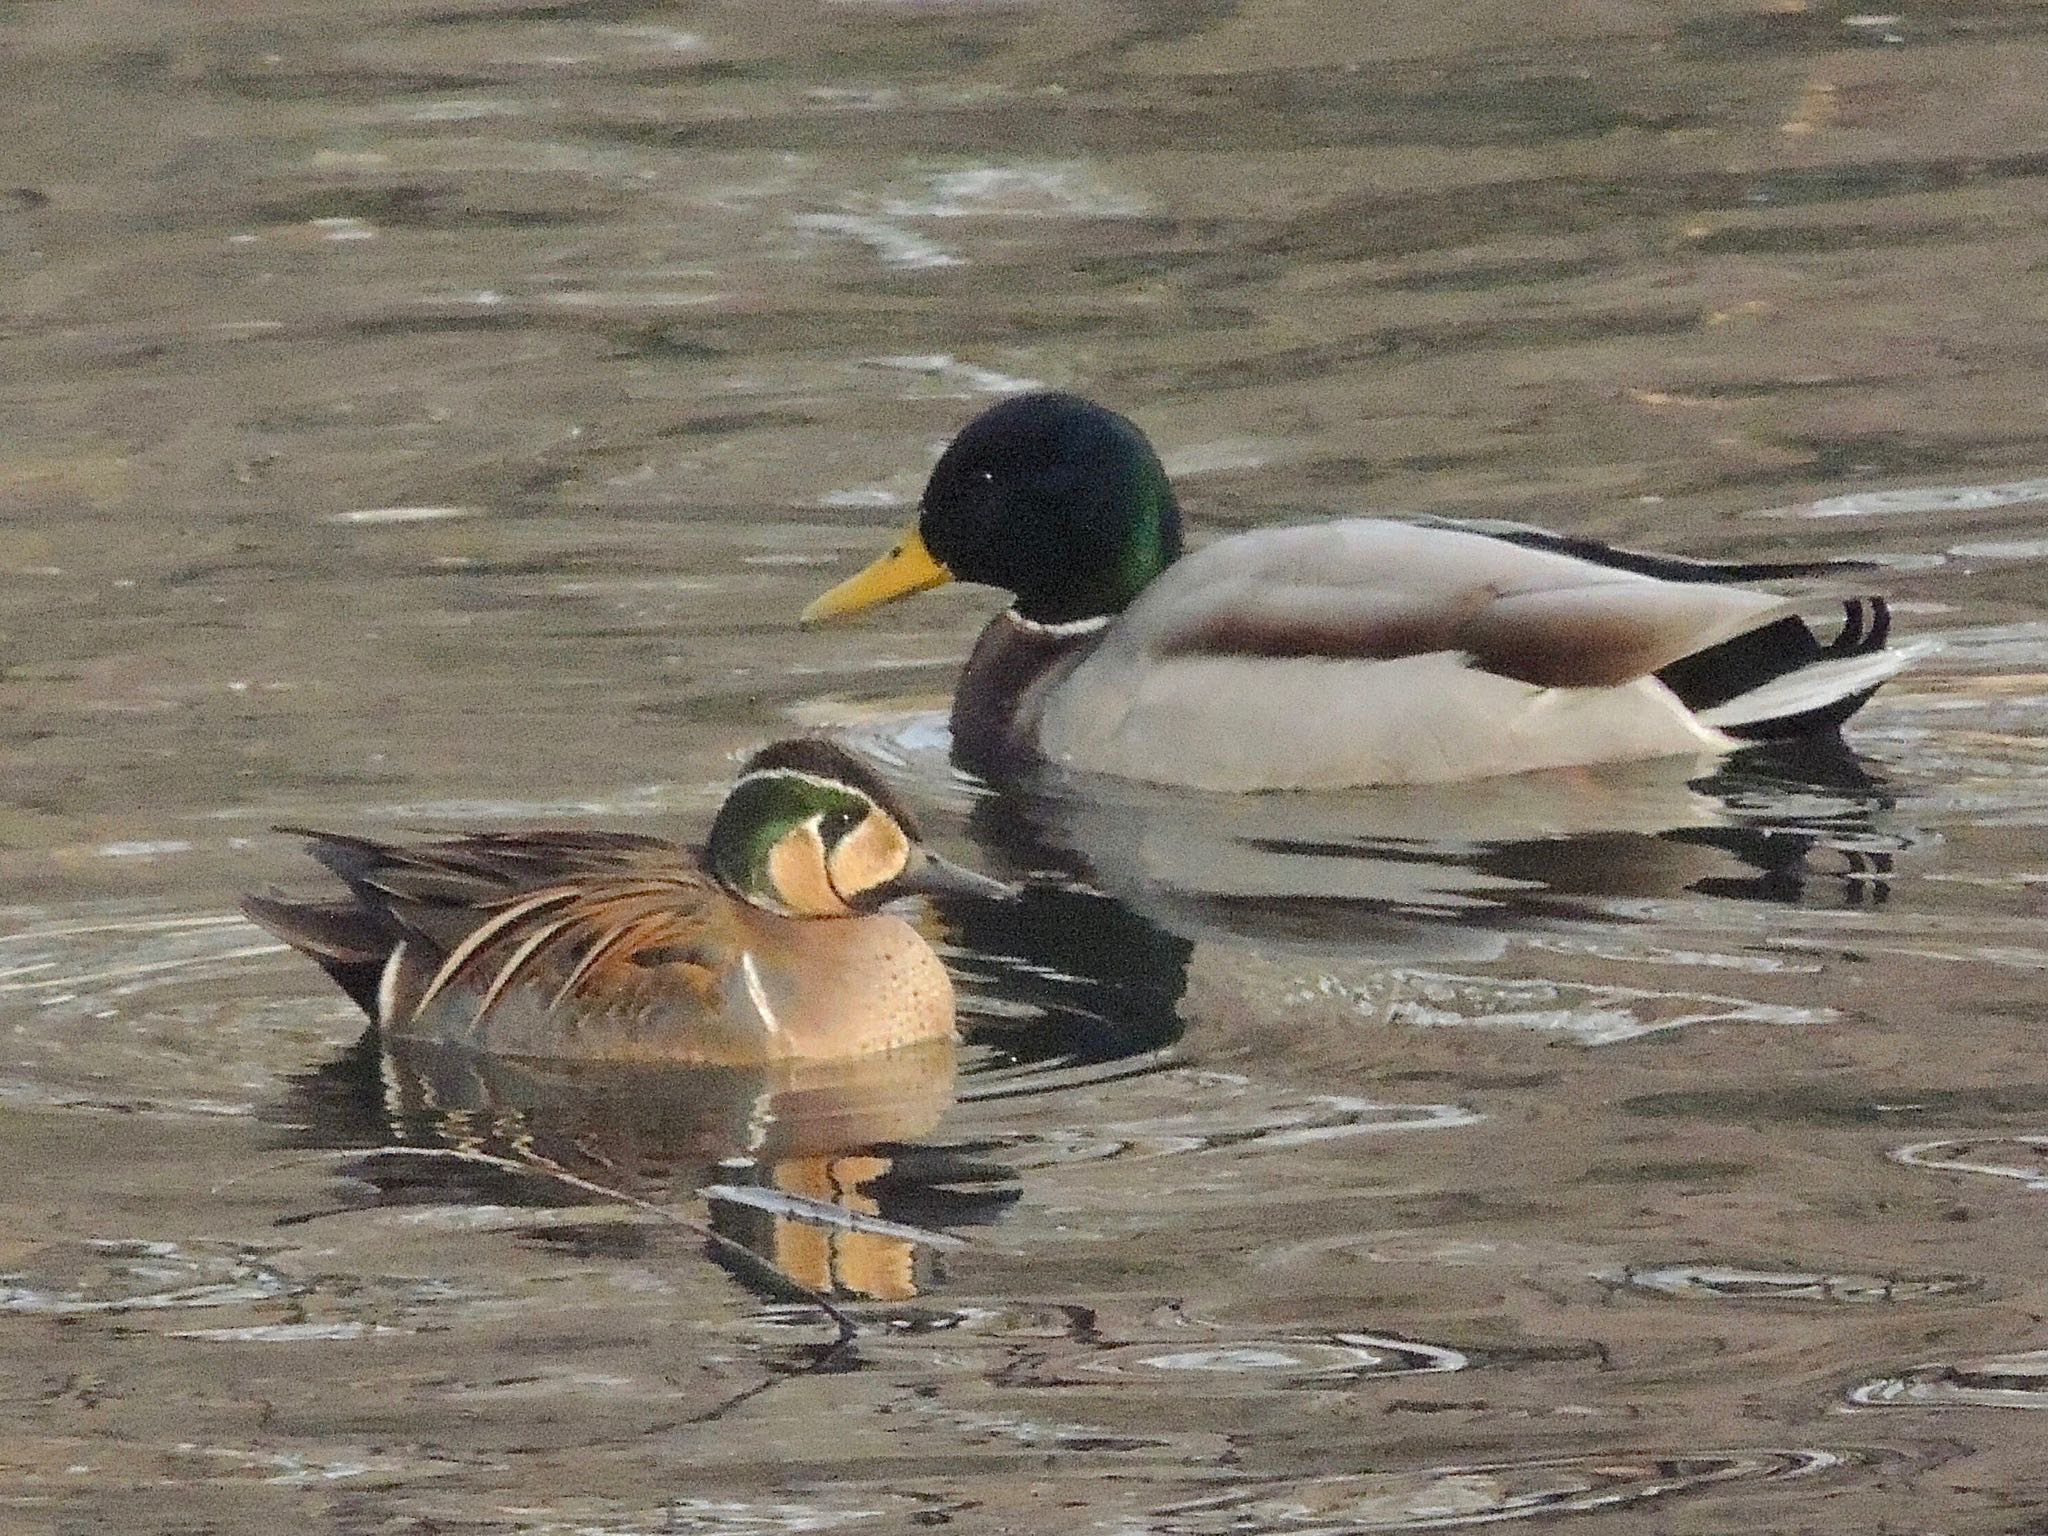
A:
{"x":1064,"y":976}
{"x":1442,"y":871}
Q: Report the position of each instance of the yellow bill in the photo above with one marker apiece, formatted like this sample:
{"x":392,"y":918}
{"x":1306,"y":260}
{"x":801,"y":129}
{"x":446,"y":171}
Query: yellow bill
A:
{"x":907,"y":568}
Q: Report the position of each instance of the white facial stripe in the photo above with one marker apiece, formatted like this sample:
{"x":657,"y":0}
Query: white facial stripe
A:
{"x":817,"y":779}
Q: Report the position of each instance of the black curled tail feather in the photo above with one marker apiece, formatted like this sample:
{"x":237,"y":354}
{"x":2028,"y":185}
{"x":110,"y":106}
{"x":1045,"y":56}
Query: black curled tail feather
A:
{"x":1714,"y":676}
{"x":1866,"y":626}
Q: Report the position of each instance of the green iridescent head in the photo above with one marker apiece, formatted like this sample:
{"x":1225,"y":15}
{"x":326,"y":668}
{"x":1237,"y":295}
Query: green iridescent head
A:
{"x":811,"y":831}
{"x":1047,"y":496}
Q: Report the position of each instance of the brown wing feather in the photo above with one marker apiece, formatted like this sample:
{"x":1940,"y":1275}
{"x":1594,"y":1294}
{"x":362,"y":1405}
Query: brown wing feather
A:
{"x":497,"y":926}
{"x":657,"y":935}
{"x":1366,"y":591}
{"x":502,"y":907}
{"x":597,"y":944}
{"x":1605,"y":634}
{"x":1340,"y":623}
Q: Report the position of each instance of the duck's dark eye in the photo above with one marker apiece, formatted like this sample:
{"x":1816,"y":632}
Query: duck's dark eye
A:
{"x":836,"y":824}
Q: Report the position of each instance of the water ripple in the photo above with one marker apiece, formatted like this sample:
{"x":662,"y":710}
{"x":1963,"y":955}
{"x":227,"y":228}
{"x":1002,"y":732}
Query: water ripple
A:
{"x":1439,"y":1498}
{"x":1734,"y":1282}
{"x":2024,"y":1158}
{"x":1243,"y":1363}
{"x":1248,"y":1119}
{"x":1999,"y":1381}
{"x":134,"y":1274}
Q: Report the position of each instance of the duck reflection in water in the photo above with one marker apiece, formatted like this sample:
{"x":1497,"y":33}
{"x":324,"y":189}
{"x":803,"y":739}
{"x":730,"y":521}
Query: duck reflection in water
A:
{"x":611,"y":1006}
{"x":1451,"y":872}
{"x":793,"y":1150}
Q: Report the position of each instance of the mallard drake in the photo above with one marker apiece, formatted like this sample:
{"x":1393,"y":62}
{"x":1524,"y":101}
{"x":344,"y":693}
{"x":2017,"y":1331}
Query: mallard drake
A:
{"x":615,"y":946}
{"x":1347,"y":653}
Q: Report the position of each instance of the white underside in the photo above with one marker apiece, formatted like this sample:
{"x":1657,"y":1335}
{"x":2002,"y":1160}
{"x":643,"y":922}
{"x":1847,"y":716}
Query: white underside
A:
{"x":1236,"y":724}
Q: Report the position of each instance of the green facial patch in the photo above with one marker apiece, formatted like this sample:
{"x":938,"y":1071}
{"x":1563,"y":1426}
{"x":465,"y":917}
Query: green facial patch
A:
{"x":761,"y":811}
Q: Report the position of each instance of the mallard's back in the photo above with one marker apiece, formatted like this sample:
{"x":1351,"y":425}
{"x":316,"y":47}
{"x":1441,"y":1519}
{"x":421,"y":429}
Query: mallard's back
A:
{"x":1371,"y":652}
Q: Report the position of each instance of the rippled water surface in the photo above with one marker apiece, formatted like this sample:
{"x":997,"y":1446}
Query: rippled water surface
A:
{"x":433,"y":413}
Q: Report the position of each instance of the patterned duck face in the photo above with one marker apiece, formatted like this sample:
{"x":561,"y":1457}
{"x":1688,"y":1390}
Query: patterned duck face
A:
{"x":809,"y":831}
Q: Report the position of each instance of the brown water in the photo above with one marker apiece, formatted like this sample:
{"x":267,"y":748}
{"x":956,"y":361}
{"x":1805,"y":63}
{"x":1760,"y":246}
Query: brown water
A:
{"x":430,"y":413}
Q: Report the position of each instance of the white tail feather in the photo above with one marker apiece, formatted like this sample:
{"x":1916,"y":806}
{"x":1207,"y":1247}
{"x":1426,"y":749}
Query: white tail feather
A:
{"x":1815,"y":686}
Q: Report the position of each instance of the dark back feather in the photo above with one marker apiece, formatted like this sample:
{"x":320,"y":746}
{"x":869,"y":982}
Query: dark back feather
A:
{"x":349,"y":941}
{"x":437,"y":892}
{"x":1645,"y":562}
